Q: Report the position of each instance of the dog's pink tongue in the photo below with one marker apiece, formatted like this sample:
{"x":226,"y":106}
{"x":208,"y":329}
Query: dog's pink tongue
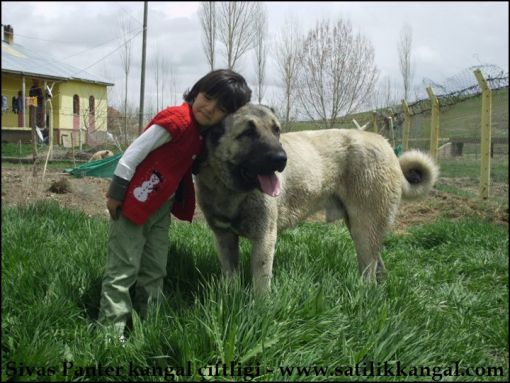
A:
{"x":270,"y":184}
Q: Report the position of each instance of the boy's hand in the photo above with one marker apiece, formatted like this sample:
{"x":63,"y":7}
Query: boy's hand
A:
{"x":113,"y":208}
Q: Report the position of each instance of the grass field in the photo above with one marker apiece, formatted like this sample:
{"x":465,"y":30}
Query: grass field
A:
{"x":443,"y":310}
{"x":469,"y":166}
{"x":459,"y":120}
{"x":10,"y":149}
{"x":463,"y":119}
{"x":442,"y":313}
{"x":17,"y":150}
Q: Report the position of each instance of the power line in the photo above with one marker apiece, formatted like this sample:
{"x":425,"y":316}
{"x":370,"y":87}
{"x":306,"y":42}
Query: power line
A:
{"x":88,"y":49}
{"x":102,"y":58}
{"x":77,"y":42}
{"x":109,"y":54}
{"x":49,"y":41}
{"x":130,"y":15}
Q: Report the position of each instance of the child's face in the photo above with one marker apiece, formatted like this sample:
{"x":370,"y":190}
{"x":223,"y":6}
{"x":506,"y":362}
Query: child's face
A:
{"x":207,"y":110}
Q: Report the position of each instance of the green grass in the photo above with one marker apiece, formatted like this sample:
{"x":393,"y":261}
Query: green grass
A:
{"x":460,"y":120}
{"x":464,"y":118}
{"x":469,"y":166}
{"x":17,"y":150}
{"x":25,"y":150}
{"x":445,"y":300}
{"x":461,"y":176}
{"x":51,"y":165}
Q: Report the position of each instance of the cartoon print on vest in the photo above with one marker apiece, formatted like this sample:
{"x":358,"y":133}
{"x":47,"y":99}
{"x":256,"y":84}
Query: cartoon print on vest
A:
{"x":142,"y":192}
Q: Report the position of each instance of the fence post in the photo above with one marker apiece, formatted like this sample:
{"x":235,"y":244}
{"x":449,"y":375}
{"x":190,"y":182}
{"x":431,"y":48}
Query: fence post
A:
{"x":392,"y":133}
{"x":407,"y":126}
{"x":23,"y":114}
{"x":72,"y":148}
{"x":33,"y":115}
{"x":33,"y":111}
{"x":485,"y":140}
{"x":434,"y":123}
{"x":391,"y":120}
{"x":374,"y":122}
{"x":50,"y":131}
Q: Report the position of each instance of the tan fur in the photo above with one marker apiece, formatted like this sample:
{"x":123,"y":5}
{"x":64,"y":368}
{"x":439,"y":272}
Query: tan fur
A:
{"x":101,"y":155}
{"x":352,"y":174}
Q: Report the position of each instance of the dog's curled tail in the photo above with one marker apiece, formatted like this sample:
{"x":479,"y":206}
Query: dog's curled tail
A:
{"x":420,"y":174}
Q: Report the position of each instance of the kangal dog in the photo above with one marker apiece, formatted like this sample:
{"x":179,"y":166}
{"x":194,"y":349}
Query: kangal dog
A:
{"x":254,"y":182}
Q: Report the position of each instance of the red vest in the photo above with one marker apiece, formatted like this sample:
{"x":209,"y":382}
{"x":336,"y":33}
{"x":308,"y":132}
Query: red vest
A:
{"x":157,"y":177}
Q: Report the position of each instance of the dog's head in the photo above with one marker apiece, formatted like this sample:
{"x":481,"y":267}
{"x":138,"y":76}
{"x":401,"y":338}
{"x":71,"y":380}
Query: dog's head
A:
{"x":244,"y":151}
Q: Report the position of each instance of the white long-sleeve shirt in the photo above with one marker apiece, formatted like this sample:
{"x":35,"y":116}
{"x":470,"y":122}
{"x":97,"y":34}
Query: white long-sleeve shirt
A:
{"x":150,"y":139}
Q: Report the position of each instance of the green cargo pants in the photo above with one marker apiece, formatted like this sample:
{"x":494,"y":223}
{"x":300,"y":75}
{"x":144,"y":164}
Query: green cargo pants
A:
{"x":137,"y":255}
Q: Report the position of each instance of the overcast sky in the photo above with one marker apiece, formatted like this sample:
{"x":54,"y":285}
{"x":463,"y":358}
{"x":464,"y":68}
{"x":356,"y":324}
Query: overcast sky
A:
{"x":448,"y":37}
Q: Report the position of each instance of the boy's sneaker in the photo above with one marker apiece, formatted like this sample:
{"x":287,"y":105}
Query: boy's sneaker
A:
{"x":122,"y":341}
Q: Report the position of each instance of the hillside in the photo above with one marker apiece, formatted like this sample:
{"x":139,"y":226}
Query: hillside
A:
{"x":461,"y":119}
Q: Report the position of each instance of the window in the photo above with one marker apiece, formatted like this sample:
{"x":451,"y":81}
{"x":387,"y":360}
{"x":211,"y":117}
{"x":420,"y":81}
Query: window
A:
{"x":76,"y":104}
{"x":92,"y":105}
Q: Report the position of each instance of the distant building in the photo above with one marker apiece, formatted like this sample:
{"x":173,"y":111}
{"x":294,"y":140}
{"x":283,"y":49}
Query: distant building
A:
{"x":70,"y":101}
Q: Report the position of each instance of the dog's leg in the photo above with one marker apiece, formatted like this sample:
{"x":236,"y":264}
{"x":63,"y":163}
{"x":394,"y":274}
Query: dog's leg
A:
{"x":262,"y":262}
{"x":227,"y":247}
{"x":368,"y":238}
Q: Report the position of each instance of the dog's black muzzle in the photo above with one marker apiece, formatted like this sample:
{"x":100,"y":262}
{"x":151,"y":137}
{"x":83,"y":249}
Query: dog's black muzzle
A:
{"x":275,"y":161}
{"x":266,"y":161}
{"x":259,"y":162}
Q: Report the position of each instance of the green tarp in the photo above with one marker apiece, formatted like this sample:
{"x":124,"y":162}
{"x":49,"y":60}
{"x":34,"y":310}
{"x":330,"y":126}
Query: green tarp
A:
{"x":398,"y":150}
{"x":101,"y":168}
{"x":104,"y":168}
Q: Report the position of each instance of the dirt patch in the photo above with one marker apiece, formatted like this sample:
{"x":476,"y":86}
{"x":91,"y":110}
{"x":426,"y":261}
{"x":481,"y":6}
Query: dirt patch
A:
{"x":87,"y":194}
{"x":453,"y":207}
{"x":61,"y":186}
{"x":464,"y":202}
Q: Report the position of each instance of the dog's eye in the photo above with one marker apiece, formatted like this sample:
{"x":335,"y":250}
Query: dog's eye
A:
{"x":250,"y":131}
{"x":276,"y":130}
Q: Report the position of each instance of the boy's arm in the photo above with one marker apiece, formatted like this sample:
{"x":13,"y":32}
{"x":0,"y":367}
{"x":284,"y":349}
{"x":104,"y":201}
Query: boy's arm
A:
{"x":150,"y":139}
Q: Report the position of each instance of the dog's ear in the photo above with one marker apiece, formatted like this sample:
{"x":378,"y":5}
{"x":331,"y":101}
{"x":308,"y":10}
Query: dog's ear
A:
{"x":211,"y":136}
{"x":268,"y":107}
{"x":199,"y":161}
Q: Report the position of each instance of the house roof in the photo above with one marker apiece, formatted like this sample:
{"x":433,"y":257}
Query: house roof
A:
{"x":20,"y":60}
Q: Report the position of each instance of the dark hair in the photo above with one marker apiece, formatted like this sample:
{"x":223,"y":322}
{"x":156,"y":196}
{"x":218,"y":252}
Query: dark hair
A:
{"x":229,"y":87}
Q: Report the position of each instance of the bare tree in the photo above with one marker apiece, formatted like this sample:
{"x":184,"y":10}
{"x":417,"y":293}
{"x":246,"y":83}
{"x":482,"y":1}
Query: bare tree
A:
{"x":260,"y":48}
{"x":337,"y":71}
{"x":173,"y":87}
{"x":236,"y":28}
{"x":390,"y":94}
{"x":207,"y":14}
{"x":404,"y":55}
{"x":164,"y":80}
{"x":97,"y":113}
{"x":160,"y":69}
{"x":384,"y":94}
{"x":125,"y":55}
{"x":287,"y":56}
{"x":156,"y":70}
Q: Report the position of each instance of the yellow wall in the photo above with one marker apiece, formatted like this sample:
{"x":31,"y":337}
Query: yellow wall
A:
{"x":61,"y":114}
{"x":10,"y":88}
{"x":64,"y":96}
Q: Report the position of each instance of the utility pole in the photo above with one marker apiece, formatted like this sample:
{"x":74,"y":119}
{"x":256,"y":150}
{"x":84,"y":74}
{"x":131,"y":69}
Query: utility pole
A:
{"x":142,"y":81}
